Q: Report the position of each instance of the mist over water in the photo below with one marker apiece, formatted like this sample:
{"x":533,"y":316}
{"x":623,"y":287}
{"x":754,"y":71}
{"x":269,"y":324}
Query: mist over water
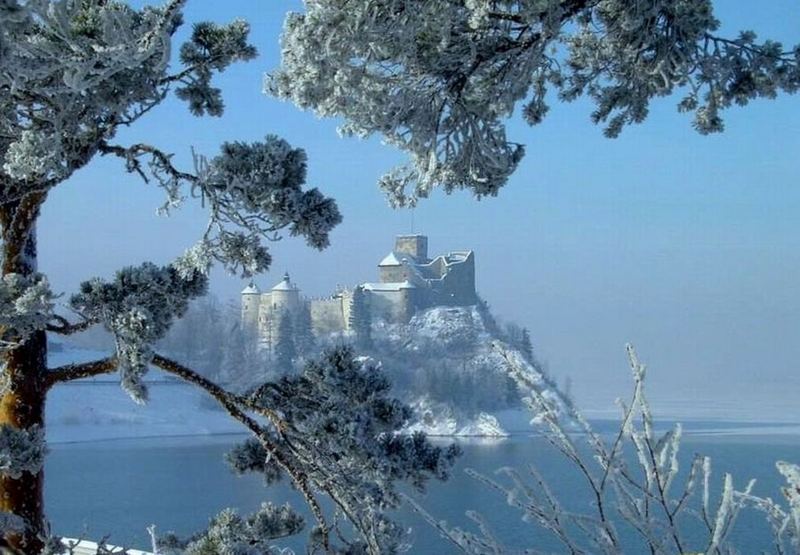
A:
{"x":687,"y":246}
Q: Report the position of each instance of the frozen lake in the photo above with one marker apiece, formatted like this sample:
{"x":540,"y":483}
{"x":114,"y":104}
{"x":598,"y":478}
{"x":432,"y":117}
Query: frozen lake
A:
{"x":116,"y":467}
{"x":119,"y":487}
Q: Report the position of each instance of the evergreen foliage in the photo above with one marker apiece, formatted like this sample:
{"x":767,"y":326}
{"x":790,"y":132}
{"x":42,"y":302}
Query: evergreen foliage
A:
{"x":304,"y":339}
{"x":438,"y":79}
{"x":285,"y":349}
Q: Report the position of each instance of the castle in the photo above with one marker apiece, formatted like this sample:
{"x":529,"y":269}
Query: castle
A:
{"x":408,"y":281}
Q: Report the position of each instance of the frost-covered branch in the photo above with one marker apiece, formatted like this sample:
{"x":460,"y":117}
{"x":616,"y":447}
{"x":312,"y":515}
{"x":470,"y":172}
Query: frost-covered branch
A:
{"x":342,"y":429}
{"x":231,"y":533}
{"x":230,"y":401}
{"x":333,"y":432}
{"x":211,"y":48}
{"x":631,"y":483}
{"x":26,"y":306}
{"x":265,"y":436}
{"x":75,"y":71}
{"x":439,"y":80}
{"x":252,"y":191}
{"x":21,"y":450}
{"x":138,"y":307}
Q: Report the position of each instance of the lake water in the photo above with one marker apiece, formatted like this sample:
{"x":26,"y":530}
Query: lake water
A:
{"x":117,"y":488}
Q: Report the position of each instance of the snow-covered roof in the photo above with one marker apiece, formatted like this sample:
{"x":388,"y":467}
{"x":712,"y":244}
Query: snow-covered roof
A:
{"x":456,"y":257}
{"x":285,"y":284}
{"x":251,"y":289}
{"x":390,"y":286}
{"x":391,"y":259}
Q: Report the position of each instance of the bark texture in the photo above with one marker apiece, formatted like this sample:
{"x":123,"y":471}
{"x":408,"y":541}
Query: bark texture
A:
{"x":22,"y":406}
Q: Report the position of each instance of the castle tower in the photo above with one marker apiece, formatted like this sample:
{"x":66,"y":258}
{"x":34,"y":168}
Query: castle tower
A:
{"x":285,"y":296}
{"x":251,"y":297}
{"x":408,"y":302}
{"x":414,"y":245}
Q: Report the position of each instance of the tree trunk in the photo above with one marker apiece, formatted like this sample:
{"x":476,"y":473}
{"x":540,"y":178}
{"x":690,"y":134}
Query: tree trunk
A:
{"x":22,"y":406}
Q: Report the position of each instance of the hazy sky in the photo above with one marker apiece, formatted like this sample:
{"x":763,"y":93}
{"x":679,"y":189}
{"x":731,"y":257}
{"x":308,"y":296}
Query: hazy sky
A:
{"x":687,"y":246}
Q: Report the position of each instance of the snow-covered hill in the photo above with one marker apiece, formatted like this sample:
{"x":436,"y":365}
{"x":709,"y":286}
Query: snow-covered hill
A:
{"x":452,"y":348}
{"x":451,"y":342}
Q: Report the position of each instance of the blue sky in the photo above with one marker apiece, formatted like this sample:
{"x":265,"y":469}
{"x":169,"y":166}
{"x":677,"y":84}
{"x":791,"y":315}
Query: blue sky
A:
{"x":688,"y":246}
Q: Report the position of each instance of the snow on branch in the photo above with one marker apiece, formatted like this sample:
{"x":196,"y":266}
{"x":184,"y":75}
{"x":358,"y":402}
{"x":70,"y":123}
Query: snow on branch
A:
{"x":138,"y":306}
{"x":21,"y":450}
{"x":211,"y":48}
{"x":630,"y":479}
{"x":26,"y":306}
{"x":65,"y":327}
{"x":231,"y":533}
{"x":73,"y":72}
{"x":253,"y":191}
{"x":439,"y":80}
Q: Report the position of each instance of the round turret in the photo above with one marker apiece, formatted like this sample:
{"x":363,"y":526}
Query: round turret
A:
{"x":251,"y":298}
{"x":285,"y":295}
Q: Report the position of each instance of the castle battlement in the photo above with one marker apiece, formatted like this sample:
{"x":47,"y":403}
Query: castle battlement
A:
{"x":408,"y":281}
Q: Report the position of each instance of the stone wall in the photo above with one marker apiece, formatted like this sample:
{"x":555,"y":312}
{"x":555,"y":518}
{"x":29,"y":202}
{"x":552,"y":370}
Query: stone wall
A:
{"x":328,"y":315}
{"x":415,"y":245}
{"x":393,"y":274}
{"x":457,"y":288}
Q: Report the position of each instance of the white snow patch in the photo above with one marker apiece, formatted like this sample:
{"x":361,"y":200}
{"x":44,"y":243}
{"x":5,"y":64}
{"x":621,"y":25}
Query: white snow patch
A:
{"x":438,"y":419}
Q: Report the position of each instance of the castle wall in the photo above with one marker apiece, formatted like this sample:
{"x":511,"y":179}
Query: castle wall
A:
{"x":266,"y":327}
{"x":457,"y":288}
{"x":390,"y":305}
{"x":328,"y":315}
{"x":285,"y":300}
{"x":393,"y":274}
{"x":347,"y":306}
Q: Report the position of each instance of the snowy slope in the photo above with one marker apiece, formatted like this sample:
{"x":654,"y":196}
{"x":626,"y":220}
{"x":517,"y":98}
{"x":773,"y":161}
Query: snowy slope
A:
{"x":438,"y":419}
{"x":448,"y":326}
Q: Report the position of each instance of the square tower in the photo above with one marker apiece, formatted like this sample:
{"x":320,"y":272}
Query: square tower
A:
{"x":414,"y":245}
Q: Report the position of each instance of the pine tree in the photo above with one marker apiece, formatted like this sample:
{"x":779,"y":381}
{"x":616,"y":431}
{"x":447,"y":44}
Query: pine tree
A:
{"x":450,"y":74}
{"x":303,"y":332}
{"x":285,"y":349}
{"x":59,"y":112}
{"x":526,"y":346}
{"x":361,"y":318}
